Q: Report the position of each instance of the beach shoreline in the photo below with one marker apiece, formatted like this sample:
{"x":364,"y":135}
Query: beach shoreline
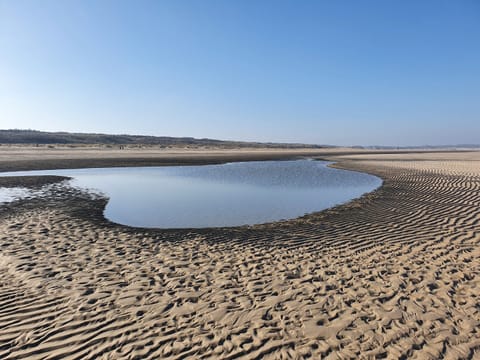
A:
{"x":393,"y":273}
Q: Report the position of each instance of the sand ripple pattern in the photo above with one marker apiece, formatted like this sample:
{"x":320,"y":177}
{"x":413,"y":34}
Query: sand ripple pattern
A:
{"x":395,"y":274}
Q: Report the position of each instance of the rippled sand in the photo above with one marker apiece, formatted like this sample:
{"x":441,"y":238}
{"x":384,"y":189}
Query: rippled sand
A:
{"x":394,"y":274}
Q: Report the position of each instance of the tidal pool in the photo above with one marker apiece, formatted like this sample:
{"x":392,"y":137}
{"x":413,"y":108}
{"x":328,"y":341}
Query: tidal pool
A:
{"x":232,"y":194}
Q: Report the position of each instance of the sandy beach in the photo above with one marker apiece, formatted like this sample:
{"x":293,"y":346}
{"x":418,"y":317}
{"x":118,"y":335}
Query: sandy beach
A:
{"x":394,"y":274}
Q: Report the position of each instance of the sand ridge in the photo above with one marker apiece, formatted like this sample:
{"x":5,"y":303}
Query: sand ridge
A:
{"x":393,"y":275}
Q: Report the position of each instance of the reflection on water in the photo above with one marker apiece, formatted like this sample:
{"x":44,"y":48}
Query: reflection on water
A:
{"x":12,"y":194}
{"x":219,"y":195}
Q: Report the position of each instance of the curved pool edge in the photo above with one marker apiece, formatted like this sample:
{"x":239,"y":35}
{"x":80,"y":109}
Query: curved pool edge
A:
{"x":308,"y":217}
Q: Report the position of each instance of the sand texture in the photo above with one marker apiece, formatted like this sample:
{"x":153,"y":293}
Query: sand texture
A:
{"x":395,"y":274}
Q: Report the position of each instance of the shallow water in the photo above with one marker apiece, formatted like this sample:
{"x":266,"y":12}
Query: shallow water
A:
{"x":218,"y":195}
{"x":12,"y":194}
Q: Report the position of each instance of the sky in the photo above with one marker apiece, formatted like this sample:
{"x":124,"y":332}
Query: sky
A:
{"x":341,"y":72}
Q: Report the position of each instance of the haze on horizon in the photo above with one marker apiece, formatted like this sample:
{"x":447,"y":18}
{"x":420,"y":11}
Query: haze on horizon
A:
{"x":324,"y":72}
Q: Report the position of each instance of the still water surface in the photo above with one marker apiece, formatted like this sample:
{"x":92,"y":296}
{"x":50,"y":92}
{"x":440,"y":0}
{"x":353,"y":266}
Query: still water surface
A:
{"x":218,"y":195}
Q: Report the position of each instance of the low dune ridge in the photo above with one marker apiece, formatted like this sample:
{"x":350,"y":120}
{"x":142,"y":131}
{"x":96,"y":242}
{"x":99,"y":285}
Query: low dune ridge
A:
{"x":394,"y":274}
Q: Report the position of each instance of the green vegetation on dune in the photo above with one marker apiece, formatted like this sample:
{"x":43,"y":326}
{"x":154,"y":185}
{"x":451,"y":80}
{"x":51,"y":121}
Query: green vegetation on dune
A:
{"x":41,"y":137}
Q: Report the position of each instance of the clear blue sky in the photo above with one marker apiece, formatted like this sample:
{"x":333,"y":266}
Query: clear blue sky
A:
{"x":328,"y":72}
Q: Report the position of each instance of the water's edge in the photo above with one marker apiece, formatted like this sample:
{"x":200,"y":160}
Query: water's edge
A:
{"x":280,"y":219}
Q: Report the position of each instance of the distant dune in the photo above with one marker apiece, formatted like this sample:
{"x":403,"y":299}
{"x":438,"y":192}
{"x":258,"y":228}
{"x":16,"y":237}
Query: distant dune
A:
{"x":42,"y":137}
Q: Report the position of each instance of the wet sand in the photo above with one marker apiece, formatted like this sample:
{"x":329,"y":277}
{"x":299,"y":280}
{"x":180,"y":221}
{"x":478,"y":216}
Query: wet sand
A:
{"x":394,"y":274}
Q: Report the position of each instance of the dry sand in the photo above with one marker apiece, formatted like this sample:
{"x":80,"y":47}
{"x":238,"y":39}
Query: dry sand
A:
{"x":395,"y":274}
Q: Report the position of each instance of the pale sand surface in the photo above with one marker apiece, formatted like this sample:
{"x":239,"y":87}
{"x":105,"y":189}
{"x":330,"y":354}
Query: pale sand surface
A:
{"x":17,"y":153}
{"x":28,"y":158}
{"x":395,"y":274}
